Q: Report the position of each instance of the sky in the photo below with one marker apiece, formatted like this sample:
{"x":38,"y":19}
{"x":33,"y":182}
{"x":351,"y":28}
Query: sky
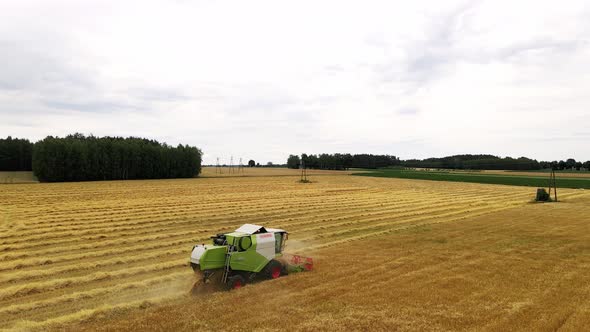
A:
{"x":264,"y":79}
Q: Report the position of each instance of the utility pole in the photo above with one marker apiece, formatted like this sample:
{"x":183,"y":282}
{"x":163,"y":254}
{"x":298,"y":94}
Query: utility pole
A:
{"x":303,"y":172}
{"x":552,"y":184}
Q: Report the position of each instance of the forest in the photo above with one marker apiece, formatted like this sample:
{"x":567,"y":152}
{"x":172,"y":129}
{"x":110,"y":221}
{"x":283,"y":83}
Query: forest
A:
{"x":478,"y":161}
{"x":15,"y":154}
{"x":340,"y":161}
{"x":491,"y":162}
{"x":89,"y":158}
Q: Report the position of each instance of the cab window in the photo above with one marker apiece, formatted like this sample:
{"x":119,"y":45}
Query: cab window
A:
{"x":278,"y":242}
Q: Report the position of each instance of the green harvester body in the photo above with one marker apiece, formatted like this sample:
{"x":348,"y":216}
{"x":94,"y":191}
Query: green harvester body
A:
{"x":241,"y":260}
{"x":240,"y":255}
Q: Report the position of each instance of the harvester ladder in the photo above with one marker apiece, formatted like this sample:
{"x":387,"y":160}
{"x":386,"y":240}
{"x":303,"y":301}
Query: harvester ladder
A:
{"x":227,"y":262}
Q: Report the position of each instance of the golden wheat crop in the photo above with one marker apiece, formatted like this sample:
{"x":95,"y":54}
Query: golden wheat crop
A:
{"x":73,"y":251}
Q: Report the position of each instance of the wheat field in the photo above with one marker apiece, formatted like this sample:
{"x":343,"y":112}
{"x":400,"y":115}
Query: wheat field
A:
{"x":17,"y":177}
{"x":86,"y":253}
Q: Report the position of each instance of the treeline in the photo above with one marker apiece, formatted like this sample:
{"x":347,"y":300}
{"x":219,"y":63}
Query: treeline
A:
{"x":80,"y":158}
{"x":89,"y":158}
{"x":569,"y":164}
{"x":15,"y":154}
{"x":341,"y":161}
{"x":485,"y":161}
{"x":480,"y":161}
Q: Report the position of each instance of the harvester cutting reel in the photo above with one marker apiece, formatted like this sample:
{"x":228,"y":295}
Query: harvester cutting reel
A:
{"x":297,"y":263}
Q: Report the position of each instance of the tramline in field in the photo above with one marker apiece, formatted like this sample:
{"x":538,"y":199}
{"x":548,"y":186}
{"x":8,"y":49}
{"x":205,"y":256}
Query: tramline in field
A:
{"x":236,"y":258}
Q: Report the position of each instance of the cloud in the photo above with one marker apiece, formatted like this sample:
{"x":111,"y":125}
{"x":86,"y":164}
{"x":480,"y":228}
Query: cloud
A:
{"x":88,"y":106}
{"x":27,"y":67}
{"x":262,"y":79}
{"x":164,"y":95}
{"x":407,"y":111}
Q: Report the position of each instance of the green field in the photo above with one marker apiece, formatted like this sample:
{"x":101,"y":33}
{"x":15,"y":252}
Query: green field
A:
{"x":548,"y":170}
{"x":512,"y":180}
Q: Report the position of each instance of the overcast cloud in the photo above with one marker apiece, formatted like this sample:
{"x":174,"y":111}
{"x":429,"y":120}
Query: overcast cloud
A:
{"x":262,"y":79}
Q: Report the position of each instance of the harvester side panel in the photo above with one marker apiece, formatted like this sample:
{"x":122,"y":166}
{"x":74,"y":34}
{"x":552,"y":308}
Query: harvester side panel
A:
{"x":255,"y":258}
{"x":247,"y":261}
{"x":211,"y":258}
{"x":265,"y":245}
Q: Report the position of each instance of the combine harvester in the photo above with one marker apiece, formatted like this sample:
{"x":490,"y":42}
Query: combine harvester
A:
{"x":237,"y":258}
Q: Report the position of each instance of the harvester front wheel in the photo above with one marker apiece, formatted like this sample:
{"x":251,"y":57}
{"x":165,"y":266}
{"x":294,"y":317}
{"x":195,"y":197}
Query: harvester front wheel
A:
{"x":273,"y":269}
{"x":235,"y":282}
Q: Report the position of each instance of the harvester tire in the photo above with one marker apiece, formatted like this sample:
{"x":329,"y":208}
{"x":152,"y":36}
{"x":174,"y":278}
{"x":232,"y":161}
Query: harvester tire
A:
{"x":235,"y":282}
{"x":285,"y":270}
{"x":273,"y":269}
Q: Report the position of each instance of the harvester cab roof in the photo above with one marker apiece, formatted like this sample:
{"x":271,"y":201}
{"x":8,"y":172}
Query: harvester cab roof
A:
{"x":242,"y":238}
{"x":255,"y":229}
